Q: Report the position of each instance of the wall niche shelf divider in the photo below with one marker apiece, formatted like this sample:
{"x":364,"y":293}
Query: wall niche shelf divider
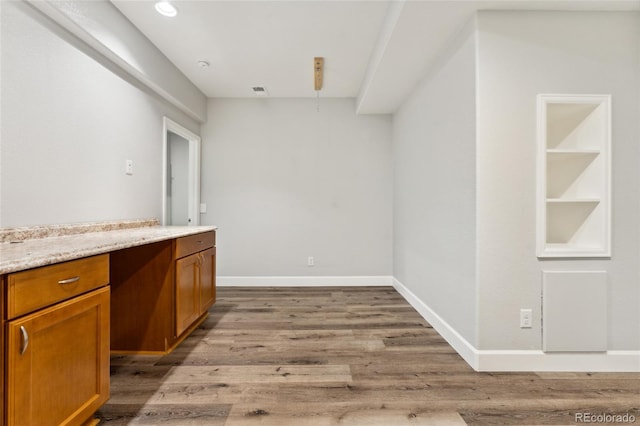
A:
{"x":574,"y":175}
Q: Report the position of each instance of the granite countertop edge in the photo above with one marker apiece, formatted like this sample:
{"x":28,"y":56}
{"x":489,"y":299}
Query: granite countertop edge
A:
{"x":30,"y":253}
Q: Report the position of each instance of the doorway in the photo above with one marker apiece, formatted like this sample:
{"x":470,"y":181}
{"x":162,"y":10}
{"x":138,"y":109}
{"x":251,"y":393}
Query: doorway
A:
{"x":181,"y":175}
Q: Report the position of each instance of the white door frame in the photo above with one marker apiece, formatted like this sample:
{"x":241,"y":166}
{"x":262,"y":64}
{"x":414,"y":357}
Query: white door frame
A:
{"x":169,"y":125}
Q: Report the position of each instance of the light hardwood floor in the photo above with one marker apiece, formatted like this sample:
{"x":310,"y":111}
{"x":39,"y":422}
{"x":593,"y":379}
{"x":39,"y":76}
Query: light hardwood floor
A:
{"x":340,"y":356}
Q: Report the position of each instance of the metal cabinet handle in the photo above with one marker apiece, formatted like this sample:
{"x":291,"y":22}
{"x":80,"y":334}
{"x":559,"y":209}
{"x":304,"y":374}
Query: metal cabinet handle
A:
{"x":25,"y":340}
{"x":69,"y":280}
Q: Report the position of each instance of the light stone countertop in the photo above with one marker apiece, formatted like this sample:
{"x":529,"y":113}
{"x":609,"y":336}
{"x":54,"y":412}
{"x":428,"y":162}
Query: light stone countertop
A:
{"x":32,"y":253}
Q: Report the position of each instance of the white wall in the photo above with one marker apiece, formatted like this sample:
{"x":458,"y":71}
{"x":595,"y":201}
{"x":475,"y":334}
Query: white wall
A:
{"x":434,"y":188}
{"x":284,"y":182}
{"x":520,"y":55}
{"x":69,"y":124}
{"x":100,"y":24}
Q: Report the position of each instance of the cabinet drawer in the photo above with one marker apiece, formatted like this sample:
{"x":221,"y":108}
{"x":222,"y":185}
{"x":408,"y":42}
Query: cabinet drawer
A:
{"x":40,"y":287}
{"x":194,"y":243}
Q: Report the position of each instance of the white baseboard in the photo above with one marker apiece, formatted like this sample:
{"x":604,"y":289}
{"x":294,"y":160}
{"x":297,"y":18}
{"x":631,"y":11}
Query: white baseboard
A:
{"x":521,"y":360}
{"x":304,"y":281}
{"x":465,"y":349}
{"x":609,"y":361}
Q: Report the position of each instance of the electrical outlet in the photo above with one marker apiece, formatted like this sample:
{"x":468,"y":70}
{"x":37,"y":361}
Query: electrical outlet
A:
{"x":128,"y":167}
{"x":526,"y":318}
{"x":311,"y":261}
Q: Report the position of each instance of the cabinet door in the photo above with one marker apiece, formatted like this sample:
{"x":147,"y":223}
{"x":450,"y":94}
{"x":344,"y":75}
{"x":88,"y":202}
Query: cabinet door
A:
{"x":207,"y":279}
{"x":58,"y":362}
{"x":187,"y":292}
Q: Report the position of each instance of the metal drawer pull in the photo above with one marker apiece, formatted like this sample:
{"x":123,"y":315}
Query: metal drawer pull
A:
{"x":199,"y":242}
{"x":69,"y":280}
{"x":25,"y":340}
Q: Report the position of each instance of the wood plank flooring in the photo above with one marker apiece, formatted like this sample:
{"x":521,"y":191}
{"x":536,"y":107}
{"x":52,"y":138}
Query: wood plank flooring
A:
{"x":340,"y":356}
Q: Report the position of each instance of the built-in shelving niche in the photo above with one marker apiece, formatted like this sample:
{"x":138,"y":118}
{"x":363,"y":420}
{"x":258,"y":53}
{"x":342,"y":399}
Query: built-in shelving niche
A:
{"x":574,"y":176}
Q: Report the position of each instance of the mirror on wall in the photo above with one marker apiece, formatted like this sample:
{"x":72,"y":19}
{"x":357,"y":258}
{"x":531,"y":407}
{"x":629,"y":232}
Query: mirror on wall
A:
{"x":181,"y":175}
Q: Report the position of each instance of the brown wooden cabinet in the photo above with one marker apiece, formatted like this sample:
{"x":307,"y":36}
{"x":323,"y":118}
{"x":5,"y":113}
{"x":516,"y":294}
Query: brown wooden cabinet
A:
{"x":142,"y":298}
{"x":57,"y":342}
{"x":208,"y":279}
{"x":195,"y":287}
{"x":160,"y":292}
{"x":187,"y":292}
{"x":60,"y":322}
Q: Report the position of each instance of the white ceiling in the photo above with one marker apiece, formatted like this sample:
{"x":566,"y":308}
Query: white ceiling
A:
{"x":374,"y":50}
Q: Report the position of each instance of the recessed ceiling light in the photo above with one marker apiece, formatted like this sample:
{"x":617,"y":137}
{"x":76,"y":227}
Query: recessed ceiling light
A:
{"x":167,"y":9}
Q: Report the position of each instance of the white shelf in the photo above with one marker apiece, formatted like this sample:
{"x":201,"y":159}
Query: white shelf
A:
{"x":573,"y":200}
{"x":572,"y":152}
{"x":560,"y":250}
{"x":573,"y":176}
